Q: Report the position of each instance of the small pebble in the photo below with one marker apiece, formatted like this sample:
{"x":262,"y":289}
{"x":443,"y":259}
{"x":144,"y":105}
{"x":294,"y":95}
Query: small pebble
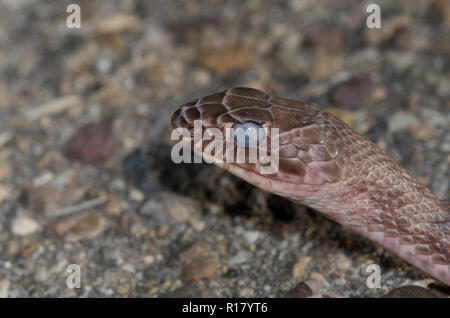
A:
{"x":239,"y":258}
{"x":421,"y":131}
{"x":113,"y":206}
{"x":123,"y":289}
{"x":82,"y":225}
{"x":411,"y":292}
{"x":401,"y":120}
{"x":302,"y":290}
{"x":92,"y":143}
{"x":200,"y":268}
{"x":149,"y":259}
{"x":251,"y":236}
{"x":137,"y":195}
{"x":247,"y":292}
{"x":332,"y":40}
{"x":353,"y":93}
{"x":132,"y":224}
{"x":89,"y":226}
{"x":227,"y":59}
{"x":24,"y":226}
{"x":196,"y":249}
{"x":30,"y":249}
{"x":5,"y":170}
{"x":300,"y":266}
{"x":5,"y":192}
{"x":343,"y":262}
{"x":11,"y":246}
{"x":4,"y":288}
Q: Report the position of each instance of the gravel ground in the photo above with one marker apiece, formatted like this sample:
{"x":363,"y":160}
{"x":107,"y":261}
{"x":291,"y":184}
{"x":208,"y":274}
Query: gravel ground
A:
{"x":85,"y":170}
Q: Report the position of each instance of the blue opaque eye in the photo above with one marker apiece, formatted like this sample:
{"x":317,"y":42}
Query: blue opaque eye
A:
{"x":247,"y":135}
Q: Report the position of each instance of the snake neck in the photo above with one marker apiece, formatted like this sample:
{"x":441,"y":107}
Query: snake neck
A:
{"x":394,"y":210}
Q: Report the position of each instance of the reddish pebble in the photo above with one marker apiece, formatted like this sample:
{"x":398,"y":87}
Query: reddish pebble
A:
{"x":353,"y":93}
{"x":92,"y":143}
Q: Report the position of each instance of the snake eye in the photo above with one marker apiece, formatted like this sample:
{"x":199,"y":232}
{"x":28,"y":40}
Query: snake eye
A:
{"x":247,"y":135}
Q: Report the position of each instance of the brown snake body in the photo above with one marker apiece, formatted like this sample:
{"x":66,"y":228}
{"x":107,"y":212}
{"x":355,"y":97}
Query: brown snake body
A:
{"x":325,"y":164}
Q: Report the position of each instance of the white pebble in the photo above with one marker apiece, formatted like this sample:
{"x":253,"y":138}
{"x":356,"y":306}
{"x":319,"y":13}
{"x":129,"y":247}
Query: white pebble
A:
{"x":149,"y":259}
{"x":137,"y":195}
{"x":251,"y":236}
{"x":239,"y":258}
{"x":24,"y":226}
{"x":401,"y":120}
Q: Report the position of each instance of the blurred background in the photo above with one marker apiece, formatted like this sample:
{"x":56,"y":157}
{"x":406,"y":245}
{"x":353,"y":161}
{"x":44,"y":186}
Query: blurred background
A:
{"x":85,"y":170}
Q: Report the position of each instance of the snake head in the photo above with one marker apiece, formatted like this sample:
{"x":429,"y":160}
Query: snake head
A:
{"x":305,"y":150}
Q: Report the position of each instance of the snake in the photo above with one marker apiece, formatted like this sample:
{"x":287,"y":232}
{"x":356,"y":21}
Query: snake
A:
{"x":325,"y":164}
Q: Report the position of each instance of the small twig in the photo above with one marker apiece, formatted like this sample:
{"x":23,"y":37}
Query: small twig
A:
{"x":79,"y":207}
{"x":54,"y":106}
